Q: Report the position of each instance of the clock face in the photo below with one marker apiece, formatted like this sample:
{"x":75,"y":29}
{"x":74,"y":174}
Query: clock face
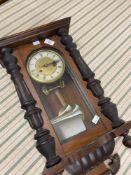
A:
{"x":45,"y":65}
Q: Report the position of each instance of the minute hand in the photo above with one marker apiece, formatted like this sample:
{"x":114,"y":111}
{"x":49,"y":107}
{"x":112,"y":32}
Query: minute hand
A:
{"x":51,"y":63}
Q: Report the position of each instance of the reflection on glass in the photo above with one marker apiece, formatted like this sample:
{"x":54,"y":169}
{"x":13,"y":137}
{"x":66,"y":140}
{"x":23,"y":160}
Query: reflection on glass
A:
{"x":67,"y":106}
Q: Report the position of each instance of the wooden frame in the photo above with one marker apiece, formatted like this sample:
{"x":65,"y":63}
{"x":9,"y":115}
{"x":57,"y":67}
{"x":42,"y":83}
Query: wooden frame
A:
{"x":34,"y":34}
{"x":89,"y":142}
{"x":2,"y":1}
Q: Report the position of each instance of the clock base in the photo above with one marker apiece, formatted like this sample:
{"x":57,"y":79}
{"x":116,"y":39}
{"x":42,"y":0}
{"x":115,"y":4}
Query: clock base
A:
{"x":91,"y":160}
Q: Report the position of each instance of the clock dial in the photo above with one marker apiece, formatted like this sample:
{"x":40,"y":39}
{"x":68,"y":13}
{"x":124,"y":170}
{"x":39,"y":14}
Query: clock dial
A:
{"x":46,"y":65}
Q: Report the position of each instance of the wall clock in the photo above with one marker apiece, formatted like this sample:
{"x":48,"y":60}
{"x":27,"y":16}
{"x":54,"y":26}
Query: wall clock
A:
{"x":75,"y":124}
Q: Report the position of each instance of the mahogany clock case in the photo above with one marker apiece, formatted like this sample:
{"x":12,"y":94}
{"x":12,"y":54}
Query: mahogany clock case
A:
{"x":75,"y":91}
{"x":22,"y":52}
{"x":2,"y":1}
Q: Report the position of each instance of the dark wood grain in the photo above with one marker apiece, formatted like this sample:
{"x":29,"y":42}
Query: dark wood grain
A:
{"x":108,"y":108}
{"x":99,"y":170}
{"x":95,"y":137}
{"x":45,"y":142}
{"x":91,"y":159}
{"x":22,"y":52}
{"x":2,"y":1}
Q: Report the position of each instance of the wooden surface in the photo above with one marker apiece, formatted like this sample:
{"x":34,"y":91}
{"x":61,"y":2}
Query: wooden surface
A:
{"x":114,"y":78}
{"x":22,"y":48}
{"x":21,"y":53}
{"x":2,"y":1}
{"x":99,"y":170}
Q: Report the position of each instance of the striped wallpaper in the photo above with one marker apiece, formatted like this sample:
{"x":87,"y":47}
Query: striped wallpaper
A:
{"x":101,"y":31}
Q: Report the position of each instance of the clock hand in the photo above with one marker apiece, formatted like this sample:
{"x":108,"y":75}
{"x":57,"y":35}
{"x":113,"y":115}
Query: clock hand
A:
{"x":51,"y":63}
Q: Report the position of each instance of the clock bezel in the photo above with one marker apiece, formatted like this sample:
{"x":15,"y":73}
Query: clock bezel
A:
{"x":45,"y":48}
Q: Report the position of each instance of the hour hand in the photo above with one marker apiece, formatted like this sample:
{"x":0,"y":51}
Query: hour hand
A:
{"x":51,"y":63}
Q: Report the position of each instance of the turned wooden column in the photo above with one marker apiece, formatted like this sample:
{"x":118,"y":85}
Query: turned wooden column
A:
{"x":45,"y":142}
{"x":108,"y":108}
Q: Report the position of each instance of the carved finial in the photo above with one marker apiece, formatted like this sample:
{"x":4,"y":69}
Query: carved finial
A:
{"x":126,"y":140}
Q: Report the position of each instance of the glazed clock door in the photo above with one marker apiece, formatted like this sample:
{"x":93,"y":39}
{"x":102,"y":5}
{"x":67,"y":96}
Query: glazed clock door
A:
{"x":62,"y":96}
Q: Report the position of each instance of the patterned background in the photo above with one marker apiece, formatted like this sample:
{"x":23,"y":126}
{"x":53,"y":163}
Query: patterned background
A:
{"x":101,"y":31}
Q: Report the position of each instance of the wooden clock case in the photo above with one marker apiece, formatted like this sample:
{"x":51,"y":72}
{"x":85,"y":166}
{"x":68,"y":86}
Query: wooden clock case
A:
{"x":2,"y":1}
{"x":86,"y":150}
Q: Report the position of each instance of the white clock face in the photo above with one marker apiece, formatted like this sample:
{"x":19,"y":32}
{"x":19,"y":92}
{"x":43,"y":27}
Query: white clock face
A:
{"x":45,"y":65}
